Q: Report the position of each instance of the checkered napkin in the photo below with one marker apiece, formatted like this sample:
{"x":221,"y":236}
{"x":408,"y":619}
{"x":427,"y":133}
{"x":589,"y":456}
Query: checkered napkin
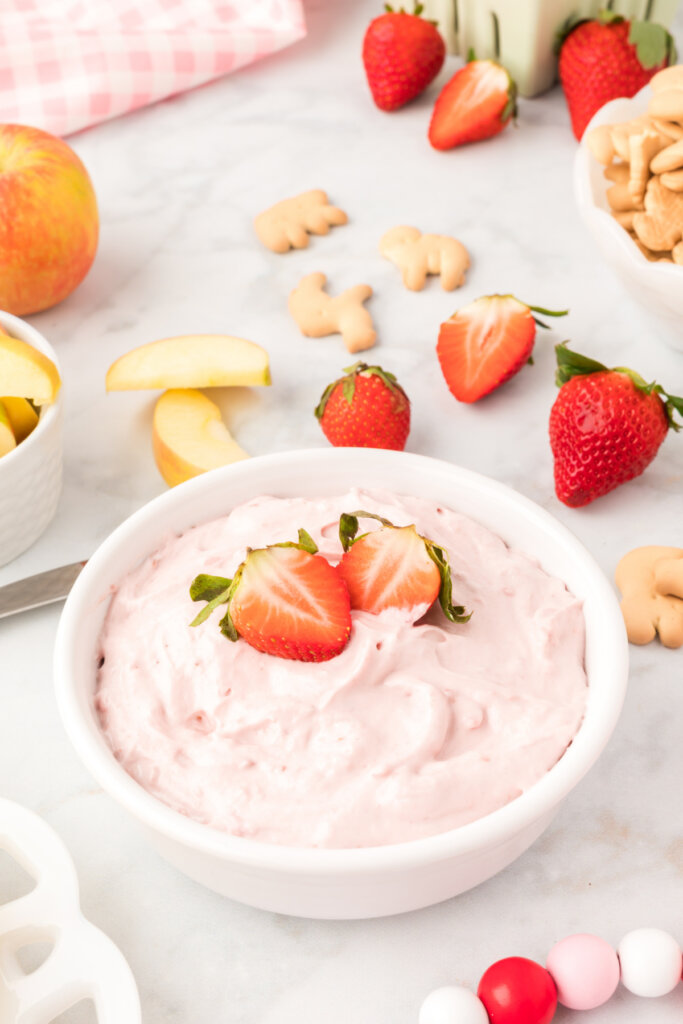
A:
{"x":67,"y":64}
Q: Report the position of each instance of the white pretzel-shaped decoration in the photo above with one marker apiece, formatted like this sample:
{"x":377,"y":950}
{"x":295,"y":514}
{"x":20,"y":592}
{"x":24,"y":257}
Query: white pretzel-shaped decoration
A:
{"x":83,"y":964}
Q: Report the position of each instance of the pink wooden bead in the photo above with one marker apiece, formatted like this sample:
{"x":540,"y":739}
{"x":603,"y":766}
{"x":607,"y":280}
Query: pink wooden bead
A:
{"x":585,"y":969}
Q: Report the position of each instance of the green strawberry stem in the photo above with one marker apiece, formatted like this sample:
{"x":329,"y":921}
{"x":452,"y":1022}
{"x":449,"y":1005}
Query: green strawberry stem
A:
{"x":607,"y":16}
{"x":348,"y":529}
{"x":417,"y":10}
{"x":348,"y":526}
{"x":218,"y":590}
{"x":573,"y":364}
{"x":545,"y":312}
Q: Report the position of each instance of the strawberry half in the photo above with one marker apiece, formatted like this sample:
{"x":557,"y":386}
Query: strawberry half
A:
{"x":284,"y":600}
{"x":394,"y":567}
{"x":402,"y":54}
{"x":477,"y":102}
{"x":485,"y":343}
{"x":606,"y":426}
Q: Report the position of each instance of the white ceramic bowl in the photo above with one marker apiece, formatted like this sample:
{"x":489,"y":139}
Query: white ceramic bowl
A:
{"x":31,"y":474}
{"x":657,"y":286}
{"x":359,"y":882}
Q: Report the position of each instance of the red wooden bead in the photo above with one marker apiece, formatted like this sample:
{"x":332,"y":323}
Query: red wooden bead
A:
{"x":518,"y":991}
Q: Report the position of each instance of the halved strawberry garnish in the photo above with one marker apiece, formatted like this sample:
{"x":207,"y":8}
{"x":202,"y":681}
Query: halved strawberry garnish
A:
{"x":476,"y":103}
{"x":394,"y":567}
{"x":485,"y":343}
{"x":284,"y":600}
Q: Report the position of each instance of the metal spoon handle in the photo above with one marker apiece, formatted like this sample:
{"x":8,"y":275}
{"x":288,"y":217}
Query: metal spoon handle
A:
{"x":35,"y":591}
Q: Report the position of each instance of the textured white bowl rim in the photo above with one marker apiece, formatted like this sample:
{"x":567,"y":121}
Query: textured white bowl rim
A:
{"x":18,"y":328}
{"x":485,"y":833}
{"x":651,"y":274}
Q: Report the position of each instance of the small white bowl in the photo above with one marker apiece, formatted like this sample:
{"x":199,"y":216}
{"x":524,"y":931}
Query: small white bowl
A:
{"x":351,"y":883}
{"x":31,"y":474}
{"x":657,"y":286}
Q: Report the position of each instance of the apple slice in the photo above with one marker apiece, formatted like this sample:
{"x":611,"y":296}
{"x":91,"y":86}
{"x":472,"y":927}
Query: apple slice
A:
{"x":189,"y":436}
{"x":22,"y":416}
{"x":190,"y":361}
{"x":7,"y":438}
{"x":27,"y":373}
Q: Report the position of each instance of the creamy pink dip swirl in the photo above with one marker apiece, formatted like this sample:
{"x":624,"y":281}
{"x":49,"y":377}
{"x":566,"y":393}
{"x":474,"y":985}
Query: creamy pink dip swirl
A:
{"x":411,"y":731}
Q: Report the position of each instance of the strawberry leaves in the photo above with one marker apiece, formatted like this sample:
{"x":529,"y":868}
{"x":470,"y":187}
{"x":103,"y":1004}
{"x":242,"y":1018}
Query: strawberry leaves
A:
{"x":218,"y":590}
{"x":573,"y":364}
{"x":215,"y":590}
{"x":200,"y":591}
{"x":207,"y":588}
{"x":453,"y":612}
{"x":654,"y":45}
{"x":348,"y":384}
{"x":510,"y":108}
{"x":306,"y":543}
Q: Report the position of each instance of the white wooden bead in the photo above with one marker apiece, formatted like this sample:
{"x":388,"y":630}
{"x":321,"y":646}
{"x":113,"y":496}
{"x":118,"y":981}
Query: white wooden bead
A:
{"x":453,"y":1005}
{"x":650,"y":962}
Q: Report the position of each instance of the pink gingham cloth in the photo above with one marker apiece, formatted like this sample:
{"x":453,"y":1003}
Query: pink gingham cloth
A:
{"x":67,"y":64}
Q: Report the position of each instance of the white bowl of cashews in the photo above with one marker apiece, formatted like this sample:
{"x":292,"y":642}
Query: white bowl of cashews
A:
{"x":628,"y":182}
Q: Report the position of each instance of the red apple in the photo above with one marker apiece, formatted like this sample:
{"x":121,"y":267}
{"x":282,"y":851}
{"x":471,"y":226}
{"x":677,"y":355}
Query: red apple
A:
{"x":48,"y":220}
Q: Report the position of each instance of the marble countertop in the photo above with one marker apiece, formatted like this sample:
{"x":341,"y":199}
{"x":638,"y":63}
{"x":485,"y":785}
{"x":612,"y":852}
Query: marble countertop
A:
{"x":178,"y":185}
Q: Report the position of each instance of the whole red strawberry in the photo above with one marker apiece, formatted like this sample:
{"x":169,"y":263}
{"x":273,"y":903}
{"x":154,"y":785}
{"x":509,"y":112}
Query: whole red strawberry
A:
{"x":607,"y":58}
{"x":402,"y":54}
{"x":367,"y":408}
{"x":606,"y":426}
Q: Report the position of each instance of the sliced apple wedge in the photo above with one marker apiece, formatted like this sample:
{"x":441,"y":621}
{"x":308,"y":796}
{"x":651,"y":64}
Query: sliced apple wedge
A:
{"x":27,"y":373}
{"x":190,"y":361}
{"x":189,"y":436}
{"x":22,"y":416}
{"x":7,"y":438}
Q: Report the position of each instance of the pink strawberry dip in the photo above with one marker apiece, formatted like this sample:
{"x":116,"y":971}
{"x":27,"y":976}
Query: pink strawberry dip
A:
{"x":413,"y":730}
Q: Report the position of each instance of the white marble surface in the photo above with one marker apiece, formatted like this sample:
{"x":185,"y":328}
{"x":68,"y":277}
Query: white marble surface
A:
{"x":178,"y":185}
